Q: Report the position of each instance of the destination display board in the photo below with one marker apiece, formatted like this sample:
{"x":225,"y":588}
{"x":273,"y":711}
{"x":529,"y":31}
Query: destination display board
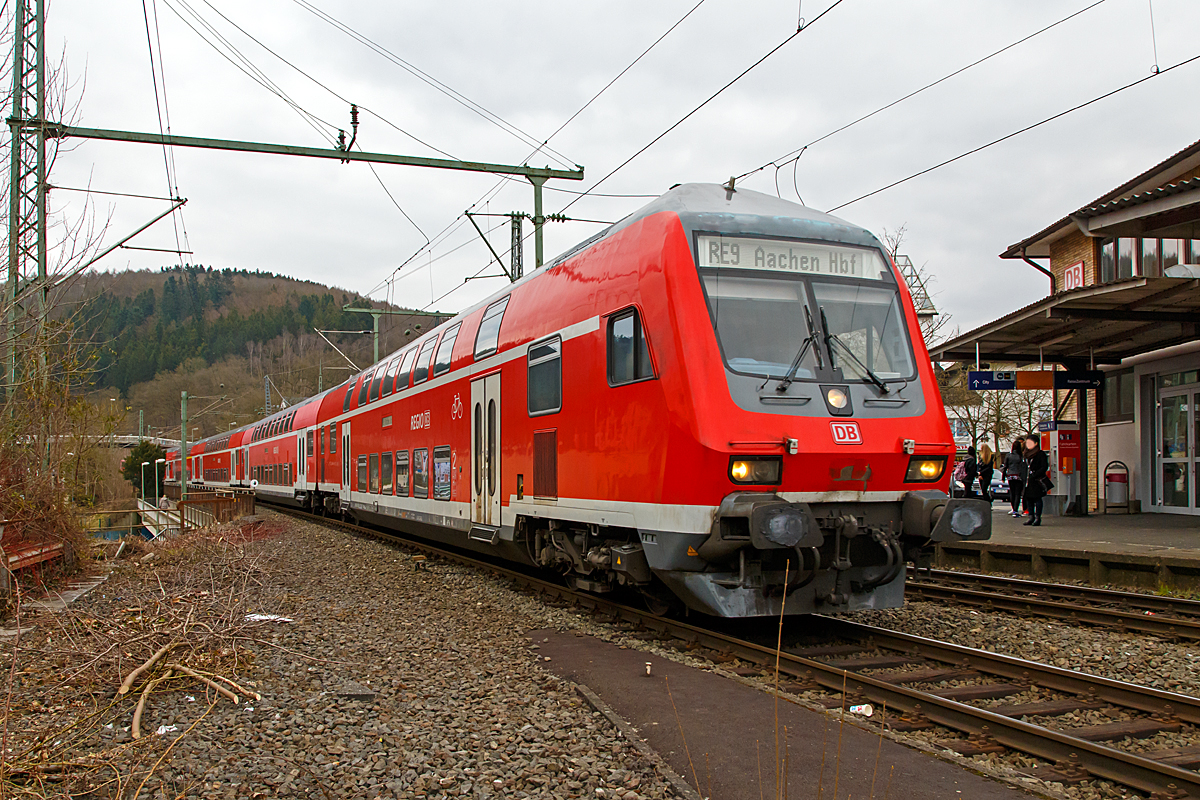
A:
{"x":985,"y":380}
{"x":777,"y":255}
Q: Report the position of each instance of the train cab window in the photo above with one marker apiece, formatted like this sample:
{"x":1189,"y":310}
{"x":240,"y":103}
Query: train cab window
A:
{"x":361,"y":484}
{"x":489,"y":328}
{"x":366,"y":386}
{"x":385,"y":473}
{"x":628,"y":352}
{"x":441,"y":364}
{"x":545,"y":377}
{"x":405,"y":370}
{"x":389,"y":377}
{"x":333,"y":438}
{"x":421,"y":370}
{"x":402,"y":473}
{"x":374,"y":473}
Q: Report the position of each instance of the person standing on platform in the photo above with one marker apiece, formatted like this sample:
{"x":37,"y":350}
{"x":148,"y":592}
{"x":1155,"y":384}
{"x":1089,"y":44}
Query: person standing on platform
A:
{"x":987,"y":466}
{"x":1013,"y":471}
{"x":970,"y":472}
{"x":1037,"y":467}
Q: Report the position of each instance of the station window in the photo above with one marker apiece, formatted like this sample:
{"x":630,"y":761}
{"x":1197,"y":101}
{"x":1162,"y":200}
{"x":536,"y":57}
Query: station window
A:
{"x":402,"y":473}
{"x":1118,"y":396}
{"x":1150,"y":258}
{"x":488,"y":337}
{"x":385,"y":472}
{"x":421,"y":370}
{"x":545,"y":377}
{"x":441,"y":364}
{"x":628,"y":352}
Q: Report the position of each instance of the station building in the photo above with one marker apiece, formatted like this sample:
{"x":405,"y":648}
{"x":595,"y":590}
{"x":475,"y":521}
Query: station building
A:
{"x":1124,"y":274}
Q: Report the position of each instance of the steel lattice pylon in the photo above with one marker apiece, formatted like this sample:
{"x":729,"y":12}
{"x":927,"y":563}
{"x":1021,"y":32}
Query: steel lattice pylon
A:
{"x":916,"y":287}
{"x":27,"y":182}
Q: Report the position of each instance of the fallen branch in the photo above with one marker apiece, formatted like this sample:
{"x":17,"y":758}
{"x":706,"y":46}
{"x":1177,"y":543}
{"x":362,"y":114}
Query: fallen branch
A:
{"x":136,"y":729}
{"x":212,"y":684}
{"x":257,"y":697}
{"x":131,"y":677}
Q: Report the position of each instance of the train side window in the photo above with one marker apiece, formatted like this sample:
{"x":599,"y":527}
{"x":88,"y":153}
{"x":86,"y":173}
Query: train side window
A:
{"x":308,"y":440}
{"x":349,"y":394}
{"x":377,"y":381}
{"x":488,"y":336}
{"x":405,"y":370}
{"x":374,"y":473}
{"x":333,"y":438}
{"x":441,"y":473}
{"x":385,"y":473}
{"x":420,"y":469}
{"x":628,"y":352}
{"x":441,"y":364}
{"x":361,"y":484}
{"x":421,"y":370}
{"x":389,"y":377}
{"x":544,"y":388}
{"x":365,"y":389}
{"x":402,"y":473}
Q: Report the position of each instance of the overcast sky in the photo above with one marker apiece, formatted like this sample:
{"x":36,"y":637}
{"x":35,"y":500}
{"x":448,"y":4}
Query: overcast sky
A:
{"x":534,"y":63}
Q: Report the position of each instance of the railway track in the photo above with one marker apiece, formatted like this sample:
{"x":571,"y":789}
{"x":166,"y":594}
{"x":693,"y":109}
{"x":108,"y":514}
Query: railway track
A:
{"x":1168,"y":617}
{"x":925,"y":683}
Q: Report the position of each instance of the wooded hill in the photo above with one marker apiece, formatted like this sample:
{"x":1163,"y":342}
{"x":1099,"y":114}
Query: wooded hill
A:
{"x":217,"y":332}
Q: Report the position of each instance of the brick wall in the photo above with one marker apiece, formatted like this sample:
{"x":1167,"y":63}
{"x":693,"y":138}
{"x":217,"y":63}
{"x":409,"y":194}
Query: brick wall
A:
{"x":1070,"y":250}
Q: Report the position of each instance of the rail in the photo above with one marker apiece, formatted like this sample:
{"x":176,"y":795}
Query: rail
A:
{"x":1076,"y":758}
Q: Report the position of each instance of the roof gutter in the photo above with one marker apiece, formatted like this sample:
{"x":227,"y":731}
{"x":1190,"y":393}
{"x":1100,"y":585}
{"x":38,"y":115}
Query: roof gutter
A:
{"x":1041,"y":269}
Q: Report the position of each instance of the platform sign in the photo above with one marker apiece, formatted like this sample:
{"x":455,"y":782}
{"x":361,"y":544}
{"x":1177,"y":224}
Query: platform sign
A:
{"x":1086,"y":379}
{"x":987,"y":379}
{"x":1035,"y":379}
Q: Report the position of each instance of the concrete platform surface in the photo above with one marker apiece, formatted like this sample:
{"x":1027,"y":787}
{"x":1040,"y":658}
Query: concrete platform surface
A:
{"x":730,"y":732}
{"x":1174,"y":535}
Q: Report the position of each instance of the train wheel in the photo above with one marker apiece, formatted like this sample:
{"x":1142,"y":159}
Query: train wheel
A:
{"x":658,"y":601}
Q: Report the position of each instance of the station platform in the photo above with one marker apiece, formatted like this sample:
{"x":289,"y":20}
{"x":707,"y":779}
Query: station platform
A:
{"x":1146,"y":551}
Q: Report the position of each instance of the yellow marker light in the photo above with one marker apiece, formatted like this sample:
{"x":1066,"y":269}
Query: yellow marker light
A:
{"x":930,"y":469}
{"x":740,"y":470}
{"x":837,"y":398}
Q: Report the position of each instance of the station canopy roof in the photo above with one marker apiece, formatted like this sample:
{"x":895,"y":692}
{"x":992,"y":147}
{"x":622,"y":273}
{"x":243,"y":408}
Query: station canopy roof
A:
{"x":1103,"y":323}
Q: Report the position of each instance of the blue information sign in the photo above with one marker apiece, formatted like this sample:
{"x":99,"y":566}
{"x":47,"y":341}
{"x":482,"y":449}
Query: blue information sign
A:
{"x":987,"y":379}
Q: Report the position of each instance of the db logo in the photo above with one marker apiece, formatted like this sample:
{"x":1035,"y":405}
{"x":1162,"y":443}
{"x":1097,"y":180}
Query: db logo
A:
{"x":845,"y":433}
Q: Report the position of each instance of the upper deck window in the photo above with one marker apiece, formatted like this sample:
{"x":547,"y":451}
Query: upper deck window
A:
{"x":441,"y":364}
{"x":488,"y":336}
{"x":365,"y":389}
{"x":389,"y":378}
{"x":421,"y":370}
{"x":405,"y":368}
{"x":349,"y":394}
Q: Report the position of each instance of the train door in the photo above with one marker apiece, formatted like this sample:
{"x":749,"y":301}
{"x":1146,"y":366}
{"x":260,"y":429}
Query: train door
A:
{"x":344,"y":492}
{"x":485,"y":451}
{"x":320,"y":455}
{"x":245,"y":465}
{"x":301,"y":460}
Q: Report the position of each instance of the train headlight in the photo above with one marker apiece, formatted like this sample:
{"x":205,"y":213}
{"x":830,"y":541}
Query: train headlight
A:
{"x":836,"y":398}
{"x":756,"y":470}
{"x":925,"y":469}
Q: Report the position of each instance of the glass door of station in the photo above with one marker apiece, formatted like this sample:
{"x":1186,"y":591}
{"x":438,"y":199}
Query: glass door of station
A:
{"x":1178,"y":431}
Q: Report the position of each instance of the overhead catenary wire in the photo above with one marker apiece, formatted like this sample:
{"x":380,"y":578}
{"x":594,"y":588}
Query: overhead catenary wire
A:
{"x":159,"y":105}
{"x":706,"y":101}
{"x":1018,"y":132}
{"x":789,"y":157}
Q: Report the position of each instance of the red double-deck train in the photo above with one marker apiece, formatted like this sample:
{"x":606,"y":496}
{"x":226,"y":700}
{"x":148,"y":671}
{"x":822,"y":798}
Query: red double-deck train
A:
{"x":724,"y":399}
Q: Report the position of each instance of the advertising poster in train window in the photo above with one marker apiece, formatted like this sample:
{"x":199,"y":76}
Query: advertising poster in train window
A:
{"x":441,"y":473}
{"x":402,"y":473}
{"x":421,"y":473}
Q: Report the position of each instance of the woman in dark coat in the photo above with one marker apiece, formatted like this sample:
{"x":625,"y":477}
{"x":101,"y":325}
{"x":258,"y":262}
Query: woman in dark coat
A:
{"x":1037,"y":467}
{"x":971,"y":467}
{"x":1014,"y":473}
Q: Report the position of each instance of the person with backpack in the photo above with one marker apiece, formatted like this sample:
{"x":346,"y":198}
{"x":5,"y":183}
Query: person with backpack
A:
{"x":1013,"y":471}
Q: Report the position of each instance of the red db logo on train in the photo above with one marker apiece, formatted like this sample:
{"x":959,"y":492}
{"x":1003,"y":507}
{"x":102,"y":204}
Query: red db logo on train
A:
{"x":845,"y":433}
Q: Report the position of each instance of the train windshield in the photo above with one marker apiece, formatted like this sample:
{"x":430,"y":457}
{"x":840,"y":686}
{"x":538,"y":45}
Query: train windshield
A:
{"x":819,"y":308}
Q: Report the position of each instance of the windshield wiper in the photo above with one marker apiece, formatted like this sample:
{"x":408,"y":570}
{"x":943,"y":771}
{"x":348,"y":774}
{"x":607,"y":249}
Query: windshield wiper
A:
{"x":810,"y":341}
{"x":832,"y":339}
